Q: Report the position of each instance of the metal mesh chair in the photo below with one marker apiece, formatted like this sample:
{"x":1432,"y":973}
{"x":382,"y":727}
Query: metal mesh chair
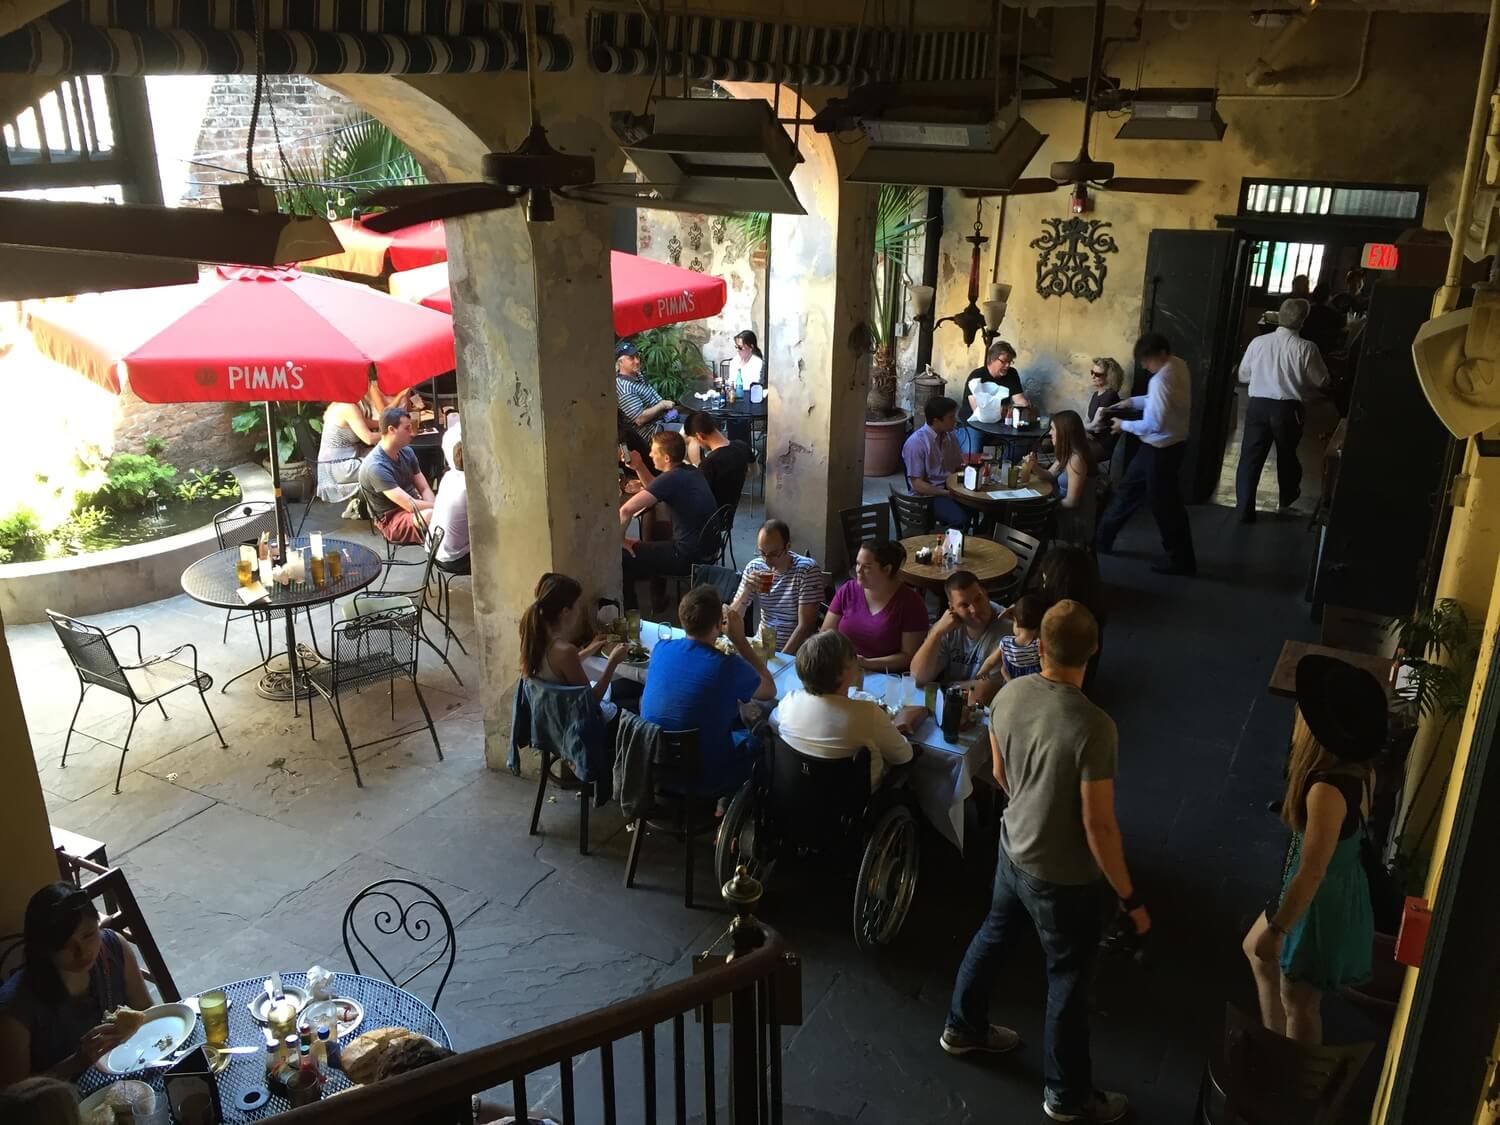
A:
{"x":149,"y":680}
{"x":421,"y":597}
{"x":366,"y":650}
{"x":912,"y":515}
{"x":677,"y":809}
{"x":402,"y":907}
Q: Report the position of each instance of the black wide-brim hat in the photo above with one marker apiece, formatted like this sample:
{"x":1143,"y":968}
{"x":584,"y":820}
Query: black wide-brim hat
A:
{"x":1344,"y":707}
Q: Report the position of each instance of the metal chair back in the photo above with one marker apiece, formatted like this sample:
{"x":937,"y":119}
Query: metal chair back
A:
{"x":89,"y":649}
{"x":727,"y":582}
{"x":1026,"y":549}
{"x":817,"y":802}
{"x":1267,"y":1079}
{"x":1032,"y":516}
{"x":402,"y":909}
{"x":375,"y":647}
{"x":867,"y":523}
{"x":714,"y":537}
{"x":912,"y":515}
{"x":244,"y":522}
{"x":678,"y":763}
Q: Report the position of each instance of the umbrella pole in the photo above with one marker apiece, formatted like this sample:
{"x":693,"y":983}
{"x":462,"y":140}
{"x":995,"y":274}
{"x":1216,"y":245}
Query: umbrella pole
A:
{"x":281,"y":521}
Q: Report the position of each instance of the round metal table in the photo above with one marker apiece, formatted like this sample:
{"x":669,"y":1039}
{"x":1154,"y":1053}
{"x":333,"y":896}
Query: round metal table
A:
{"x":385,"y":1005}
{"x":987,"y":560}
{"x":1011,"y":437}
{"x":214,"y":580}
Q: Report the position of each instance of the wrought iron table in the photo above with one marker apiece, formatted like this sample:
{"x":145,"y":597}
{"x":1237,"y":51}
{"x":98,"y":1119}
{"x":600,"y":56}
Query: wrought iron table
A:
{"x":213,"y":580}
{"x":1011,"y":437}
{"x":384,"y":1004}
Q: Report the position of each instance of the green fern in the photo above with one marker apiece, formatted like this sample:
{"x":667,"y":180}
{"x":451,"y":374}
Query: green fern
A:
{"x":1441,"y":649}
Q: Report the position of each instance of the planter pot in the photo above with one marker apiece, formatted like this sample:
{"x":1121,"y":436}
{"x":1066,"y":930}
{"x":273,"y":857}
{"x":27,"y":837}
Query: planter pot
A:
{"x":296,"y":480}
{"x":883,"y":441}
{"x":1381,"y":992}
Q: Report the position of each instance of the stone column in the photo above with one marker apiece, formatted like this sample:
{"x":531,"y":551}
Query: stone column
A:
{"x":532,"y":315}
{"x":25,"y":834}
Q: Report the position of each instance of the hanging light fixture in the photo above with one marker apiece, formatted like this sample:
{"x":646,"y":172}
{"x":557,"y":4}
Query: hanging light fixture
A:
{"x":973,"y":320}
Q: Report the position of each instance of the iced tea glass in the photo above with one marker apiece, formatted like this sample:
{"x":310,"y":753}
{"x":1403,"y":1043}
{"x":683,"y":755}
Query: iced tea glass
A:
{"x":335,"y":563}
{"x":244,"y":569}
{"x":213,"y":1006}
{"x":317,"y":570}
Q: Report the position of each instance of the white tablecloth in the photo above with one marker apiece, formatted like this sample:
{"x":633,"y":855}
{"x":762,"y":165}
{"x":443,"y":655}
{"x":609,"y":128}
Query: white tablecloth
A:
{"x":941,"y":779}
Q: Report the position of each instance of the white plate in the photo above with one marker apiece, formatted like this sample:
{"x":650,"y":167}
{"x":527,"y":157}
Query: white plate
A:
{"x":167,"y":1028}
{"x":318,"y":1011}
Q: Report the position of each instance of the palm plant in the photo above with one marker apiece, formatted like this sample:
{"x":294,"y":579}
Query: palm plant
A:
{"x":894,"y":227}
{"x":360,"y":156}
{"x":750,"y":231}
{"x":1441,"y":649}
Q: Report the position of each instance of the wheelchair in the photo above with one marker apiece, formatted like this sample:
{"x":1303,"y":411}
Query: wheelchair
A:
{"x":796,"y":805}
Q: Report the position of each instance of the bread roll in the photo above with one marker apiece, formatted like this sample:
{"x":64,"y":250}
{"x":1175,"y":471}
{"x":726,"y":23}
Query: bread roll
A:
{"x":360,"y":1058}
{"x":127,"y":1021}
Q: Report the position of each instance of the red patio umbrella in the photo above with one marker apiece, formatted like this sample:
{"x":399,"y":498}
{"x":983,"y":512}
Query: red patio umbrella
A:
{"x":247,"y":335}
{"x":647,"y":294}
{"x":372,"y":252}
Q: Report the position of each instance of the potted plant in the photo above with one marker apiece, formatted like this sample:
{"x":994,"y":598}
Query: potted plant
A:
{"x":671,"y":363}
{"x":885,"y":426}
{"x":1438,"y":651}
{"x":296,"y":472}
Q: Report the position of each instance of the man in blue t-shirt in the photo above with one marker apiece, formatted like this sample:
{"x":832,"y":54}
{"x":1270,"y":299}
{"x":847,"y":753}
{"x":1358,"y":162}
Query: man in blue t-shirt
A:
{"x":392,"y":484}
{"x":691,"y":685}
{"x":687,"y":496}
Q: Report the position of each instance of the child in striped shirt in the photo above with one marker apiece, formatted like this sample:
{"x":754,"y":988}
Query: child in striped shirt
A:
{"x":1018,"y":654}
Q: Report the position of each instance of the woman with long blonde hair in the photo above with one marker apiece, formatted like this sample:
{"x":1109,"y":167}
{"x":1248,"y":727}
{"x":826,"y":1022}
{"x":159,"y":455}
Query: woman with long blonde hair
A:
{"x":1316,"y":935}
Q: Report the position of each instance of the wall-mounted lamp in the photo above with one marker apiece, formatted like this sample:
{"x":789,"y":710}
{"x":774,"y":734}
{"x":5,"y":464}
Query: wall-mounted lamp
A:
{"x":920,"y":297}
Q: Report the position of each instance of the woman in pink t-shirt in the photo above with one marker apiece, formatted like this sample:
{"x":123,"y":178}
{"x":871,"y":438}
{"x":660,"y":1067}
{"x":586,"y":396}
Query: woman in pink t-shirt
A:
{"x":883,"y":617}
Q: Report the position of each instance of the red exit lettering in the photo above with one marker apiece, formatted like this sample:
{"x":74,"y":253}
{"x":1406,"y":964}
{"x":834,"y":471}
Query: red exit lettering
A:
{"x":1380,"y":256}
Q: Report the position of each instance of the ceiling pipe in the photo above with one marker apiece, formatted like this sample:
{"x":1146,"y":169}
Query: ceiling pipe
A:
{"x":1446,"y":298}
{"x":1354,"y":84}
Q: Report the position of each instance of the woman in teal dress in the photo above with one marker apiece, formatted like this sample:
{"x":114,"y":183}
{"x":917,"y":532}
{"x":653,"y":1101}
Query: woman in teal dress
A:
{"x":1316,"y":934}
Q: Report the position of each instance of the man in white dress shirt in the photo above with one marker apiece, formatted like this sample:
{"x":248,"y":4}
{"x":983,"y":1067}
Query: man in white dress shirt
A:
{"x":1281,"y":368}
{"x":1156,"y":470}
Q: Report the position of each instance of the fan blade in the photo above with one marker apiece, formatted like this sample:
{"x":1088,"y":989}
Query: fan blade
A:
{"x":455,"y":201}
{"x":1147,"y":186}
{"x":398,"y":195}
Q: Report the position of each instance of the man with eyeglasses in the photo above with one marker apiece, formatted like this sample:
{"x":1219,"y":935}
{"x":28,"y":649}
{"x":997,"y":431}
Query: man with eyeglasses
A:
{"x":787,"y":587}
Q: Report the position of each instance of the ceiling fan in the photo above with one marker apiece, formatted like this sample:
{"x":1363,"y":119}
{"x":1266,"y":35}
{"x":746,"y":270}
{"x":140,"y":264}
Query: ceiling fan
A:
{"x":1083,"y":171}
{"x":707,"y":156}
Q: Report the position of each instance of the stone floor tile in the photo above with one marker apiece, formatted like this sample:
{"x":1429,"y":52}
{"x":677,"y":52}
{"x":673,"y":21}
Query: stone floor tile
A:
{"x":145,"y":807}
{"x":482,"y":854}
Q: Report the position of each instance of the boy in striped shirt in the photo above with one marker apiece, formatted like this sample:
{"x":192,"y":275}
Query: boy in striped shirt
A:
{"x":786,"y":587}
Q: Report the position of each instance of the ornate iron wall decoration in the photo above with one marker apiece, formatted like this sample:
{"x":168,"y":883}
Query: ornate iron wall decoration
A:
{"x":1071,"y":262}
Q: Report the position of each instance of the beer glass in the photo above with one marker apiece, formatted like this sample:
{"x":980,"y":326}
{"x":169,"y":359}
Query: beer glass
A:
{"x":335,"y":564}
{"x":213,"y":1005}
{"x":317,"y":570}
{"x":245,"y":570}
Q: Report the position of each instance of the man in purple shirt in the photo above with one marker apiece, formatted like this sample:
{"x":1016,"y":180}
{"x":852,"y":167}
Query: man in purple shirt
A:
{"x":930,"y":454}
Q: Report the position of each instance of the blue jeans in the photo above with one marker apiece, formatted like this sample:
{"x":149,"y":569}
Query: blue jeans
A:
{"x":970,"y":440}
{"x":949,"y":512}
{"x":1069,"y":922}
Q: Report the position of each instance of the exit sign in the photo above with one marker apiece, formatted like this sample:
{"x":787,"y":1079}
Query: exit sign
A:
{"x":1379,"y":256}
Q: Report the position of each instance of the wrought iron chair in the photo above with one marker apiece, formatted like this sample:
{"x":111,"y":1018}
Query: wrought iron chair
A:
{"x":400,"y":906}
{"x":552,"y":754}
{"x":867,"y":523}
{"x":418,"y":596}
{"x":713,"y":540}
{"x":1032,"y":516}
{"x":149,"y":680}
{"x":370,"y":649}
{"x":912,"y":515}
{"x":243,"y":523}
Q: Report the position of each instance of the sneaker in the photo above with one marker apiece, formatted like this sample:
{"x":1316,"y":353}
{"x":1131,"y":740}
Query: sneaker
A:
{"x":997,"y":1042}
{"x":1104,"y":1106}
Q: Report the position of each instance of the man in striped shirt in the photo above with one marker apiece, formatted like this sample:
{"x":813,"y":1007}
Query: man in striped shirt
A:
{"x":637,"y":398}
{"x":787,"y":587}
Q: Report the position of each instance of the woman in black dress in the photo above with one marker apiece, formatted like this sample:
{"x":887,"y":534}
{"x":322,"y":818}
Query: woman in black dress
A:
{"x":1107,"y":377}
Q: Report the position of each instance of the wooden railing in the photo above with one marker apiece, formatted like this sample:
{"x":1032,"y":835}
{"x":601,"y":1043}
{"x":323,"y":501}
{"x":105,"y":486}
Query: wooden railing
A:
{"x":753,"y":1067}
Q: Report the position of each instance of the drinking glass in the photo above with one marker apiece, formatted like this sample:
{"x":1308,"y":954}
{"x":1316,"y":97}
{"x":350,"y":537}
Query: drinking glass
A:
{"x":245,"y":571}
{"x":663,"y":632}
{"x":764,"y":579}
{"x":335,"y":564}
{"x":633,"y":627}
{"x":317,"y":570}
{"x":893,"y":697}
{"x":213,"y":1005}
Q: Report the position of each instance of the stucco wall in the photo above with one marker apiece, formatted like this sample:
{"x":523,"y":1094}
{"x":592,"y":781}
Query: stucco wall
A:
{"x":1406,"y":123}
{"x":708,"y":243}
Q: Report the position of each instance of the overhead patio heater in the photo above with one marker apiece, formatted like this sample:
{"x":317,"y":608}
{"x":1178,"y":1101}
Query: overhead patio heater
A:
{"x":714,"y":156}
{"x":1173,"y":115}
{"x":987,"y":155}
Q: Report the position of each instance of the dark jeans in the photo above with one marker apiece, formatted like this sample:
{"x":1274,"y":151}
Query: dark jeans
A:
{"x":1069,"y":922}
{"x":1269,"y":421}
{"x":651,"y":560}
{"x":949,"y":512}
{"x":1155,"y":474}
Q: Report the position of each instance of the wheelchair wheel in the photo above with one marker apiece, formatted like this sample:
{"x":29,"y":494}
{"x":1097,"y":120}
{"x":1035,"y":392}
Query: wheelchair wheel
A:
{"x":737,"y":840}
{"x":887,"y":879}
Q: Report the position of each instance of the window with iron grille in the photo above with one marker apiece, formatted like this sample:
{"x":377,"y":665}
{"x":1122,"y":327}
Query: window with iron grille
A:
{"x":1274,"y":264}
{"x":1343,"y":200}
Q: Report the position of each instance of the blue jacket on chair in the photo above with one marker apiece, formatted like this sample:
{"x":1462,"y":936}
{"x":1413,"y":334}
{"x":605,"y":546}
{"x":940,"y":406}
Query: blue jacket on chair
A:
{"x":565,"y":721}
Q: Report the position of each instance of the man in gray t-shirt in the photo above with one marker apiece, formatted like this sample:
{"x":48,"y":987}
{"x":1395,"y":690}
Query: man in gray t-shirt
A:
{"x":1054,"y":755}
{"x":962,"y":639}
